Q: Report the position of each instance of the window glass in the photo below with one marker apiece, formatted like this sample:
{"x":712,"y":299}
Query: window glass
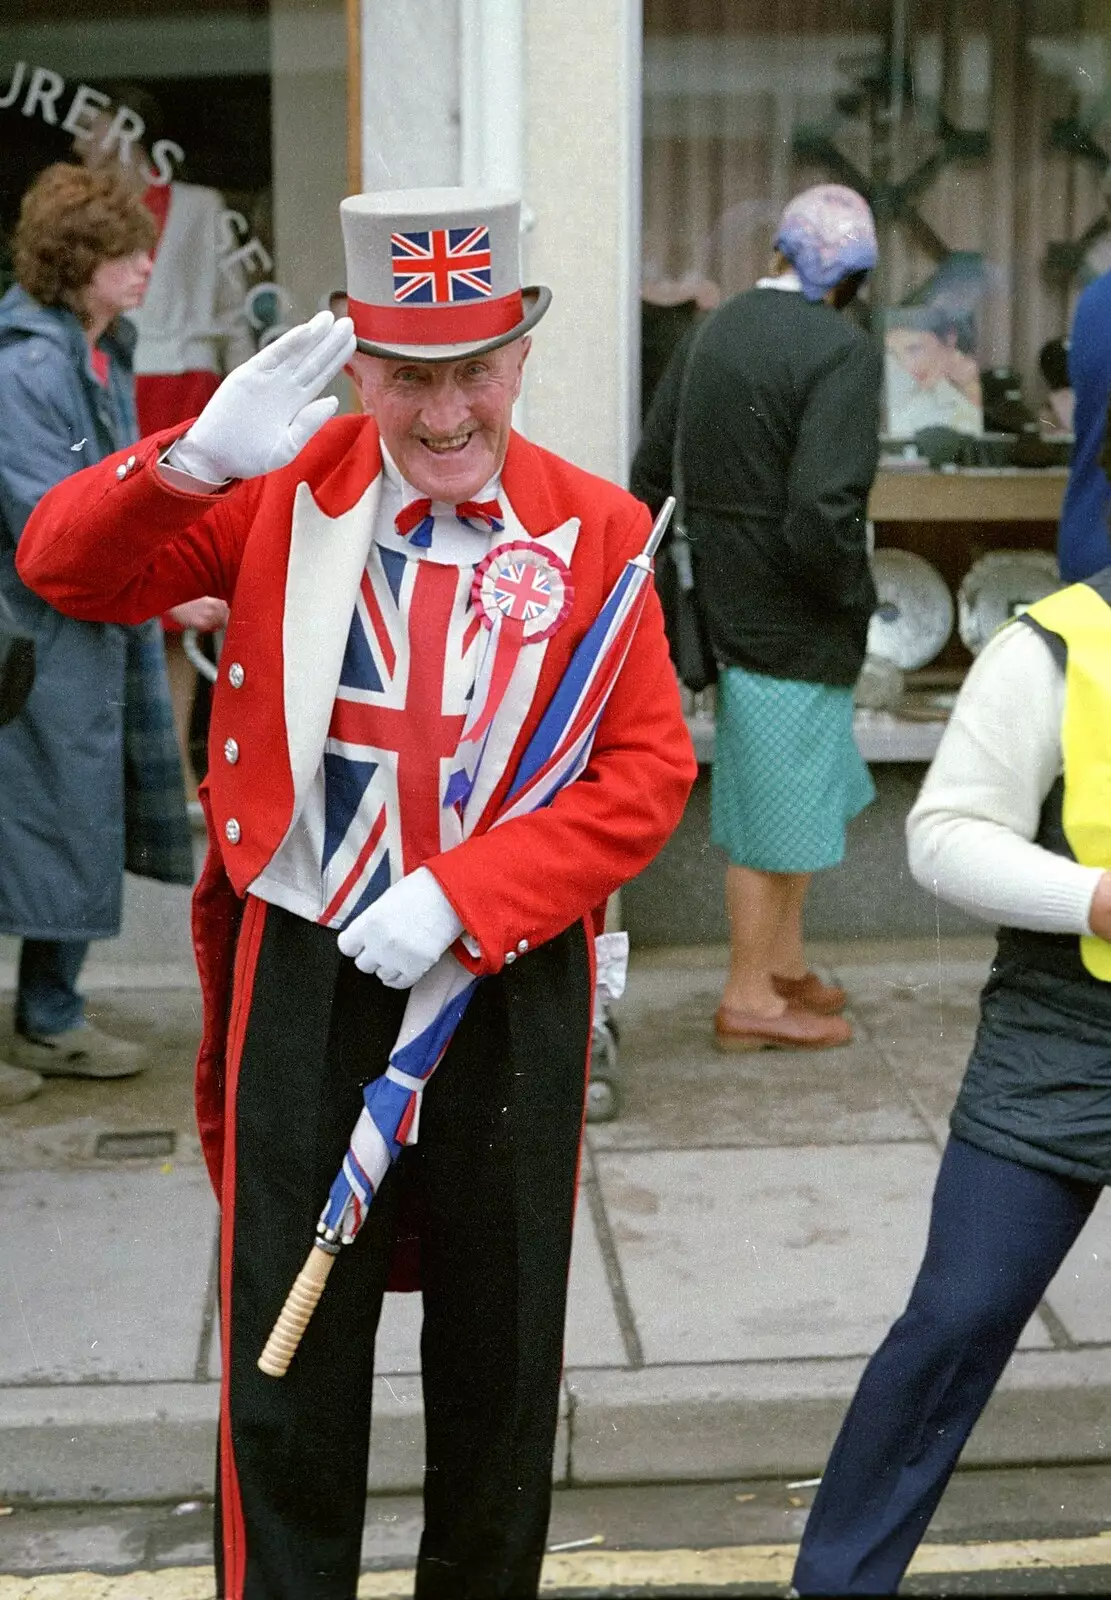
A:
{"x":979,"y":131}
{"x":244,"y":100}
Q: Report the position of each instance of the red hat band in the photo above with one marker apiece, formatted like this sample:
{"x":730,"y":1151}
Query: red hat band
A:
{"x":436,"y":325}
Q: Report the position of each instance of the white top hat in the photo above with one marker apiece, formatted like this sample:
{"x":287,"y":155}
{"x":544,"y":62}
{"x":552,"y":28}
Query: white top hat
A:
{"x":434,"y":274}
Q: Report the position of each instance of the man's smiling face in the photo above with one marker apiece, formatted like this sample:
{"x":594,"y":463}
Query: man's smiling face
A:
{"x":446,"y":424}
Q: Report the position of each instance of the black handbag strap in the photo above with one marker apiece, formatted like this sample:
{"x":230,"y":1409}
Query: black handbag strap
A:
{"x":680,"y":545}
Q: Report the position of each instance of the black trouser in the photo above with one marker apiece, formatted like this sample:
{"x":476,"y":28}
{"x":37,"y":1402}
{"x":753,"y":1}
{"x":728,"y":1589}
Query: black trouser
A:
{"x":490,"y":1191}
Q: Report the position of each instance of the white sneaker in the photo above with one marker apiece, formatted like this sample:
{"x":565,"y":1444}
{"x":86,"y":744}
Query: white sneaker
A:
{"x":17,"y":1084}
{"x":82,"y":1052}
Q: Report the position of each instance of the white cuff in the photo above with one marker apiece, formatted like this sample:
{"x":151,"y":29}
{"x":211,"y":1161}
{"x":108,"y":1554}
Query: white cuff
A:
{"x":182,"y":457}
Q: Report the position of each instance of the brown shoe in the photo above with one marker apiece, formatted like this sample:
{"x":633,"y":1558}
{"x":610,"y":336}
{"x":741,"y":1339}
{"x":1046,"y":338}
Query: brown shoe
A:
{"x":824,"y":998}
{"x":797,"y":1029}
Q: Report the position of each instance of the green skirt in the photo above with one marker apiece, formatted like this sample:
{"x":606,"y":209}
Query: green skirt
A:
{"x":787,"y":774}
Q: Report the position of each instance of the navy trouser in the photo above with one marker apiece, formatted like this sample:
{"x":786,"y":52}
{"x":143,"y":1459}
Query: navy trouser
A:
{"x":47,"y":1000}
{"x":998,"y":1233}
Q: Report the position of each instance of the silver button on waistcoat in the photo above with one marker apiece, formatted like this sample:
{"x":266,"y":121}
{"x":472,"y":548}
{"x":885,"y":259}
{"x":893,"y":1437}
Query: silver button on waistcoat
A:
{"x":232,"y":831}
{"x":236,"y":675}
{"x":231,"y":752}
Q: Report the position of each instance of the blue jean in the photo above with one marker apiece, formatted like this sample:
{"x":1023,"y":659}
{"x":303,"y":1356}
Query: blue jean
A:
{"x":998,"y":1233}
{"x":47,"y":1000}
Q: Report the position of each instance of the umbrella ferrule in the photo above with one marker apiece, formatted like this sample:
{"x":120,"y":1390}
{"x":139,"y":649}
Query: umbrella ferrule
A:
{"x":659,"y":527}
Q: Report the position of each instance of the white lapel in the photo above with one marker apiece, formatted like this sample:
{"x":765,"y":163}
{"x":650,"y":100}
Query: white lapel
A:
{"x":327,"y":558}
{"x":521,"y":693}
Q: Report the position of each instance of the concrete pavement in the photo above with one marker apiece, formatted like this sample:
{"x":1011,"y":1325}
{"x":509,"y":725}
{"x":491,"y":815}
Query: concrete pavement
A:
{"x":747,"y":1231}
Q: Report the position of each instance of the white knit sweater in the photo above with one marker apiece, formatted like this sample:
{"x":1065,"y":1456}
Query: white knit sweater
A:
{"x":970,"y":832}
{"x":192,"y":317}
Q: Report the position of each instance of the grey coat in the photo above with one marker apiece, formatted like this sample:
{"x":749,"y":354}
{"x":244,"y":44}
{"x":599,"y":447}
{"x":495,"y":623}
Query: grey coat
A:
{"x":62,"y":761}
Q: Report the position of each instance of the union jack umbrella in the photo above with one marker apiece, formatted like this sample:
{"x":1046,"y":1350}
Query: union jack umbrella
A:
{"x":556,"y":754}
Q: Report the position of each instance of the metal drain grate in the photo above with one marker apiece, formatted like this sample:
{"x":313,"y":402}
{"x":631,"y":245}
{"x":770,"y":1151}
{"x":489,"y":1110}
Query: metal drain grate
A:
{"x":135,"y":1146}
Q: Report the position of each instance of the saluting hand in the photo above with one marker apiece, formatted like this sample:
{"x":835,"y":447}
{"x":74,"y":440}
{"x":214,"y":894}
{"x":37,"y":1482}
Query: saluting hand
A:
{"x":265,"y":411}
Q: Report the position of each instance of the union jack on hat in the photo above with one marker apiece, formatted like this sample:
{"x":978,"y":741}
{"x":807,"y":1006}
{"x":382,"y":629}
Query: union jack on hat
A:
{"x":434,"y":274}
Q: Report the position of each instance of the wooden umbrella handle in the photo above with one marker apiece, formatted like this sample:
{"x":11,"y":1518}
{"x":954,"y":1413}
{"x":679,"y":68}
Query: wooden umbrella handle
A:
{"x":293,"y":1319}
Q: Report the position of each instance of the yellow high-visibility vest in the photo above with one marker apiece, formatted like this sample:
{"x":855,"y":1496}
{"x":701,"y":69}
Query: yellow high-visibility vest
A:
{"x":1080,"y":617}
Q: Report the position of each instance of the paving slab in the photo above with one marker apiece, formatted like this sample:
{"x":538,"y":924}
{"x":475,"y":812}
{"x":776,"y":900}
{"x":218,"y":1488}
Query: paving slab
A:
{"x":804,"y":1252}
{"x":681,"y":1093}
{"x":179,"y":1536}
{"x":73,"y":1540}
{"x":103,"y":1274}
{"x":678,"y":1091}
{"x":593,"y":1336}
{"x":59,"y":1128}
{"x":922,"y":1019}
{"x":108,"y":1442}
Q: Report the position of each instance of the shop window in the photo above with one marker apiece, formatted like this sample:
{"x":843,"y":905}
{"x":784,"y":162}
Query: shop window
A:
{"x":980,"y":130}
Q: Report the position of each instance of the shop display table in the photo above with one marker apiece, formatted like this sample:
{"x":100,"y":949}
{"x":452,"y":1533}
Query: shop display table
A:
{"x":967,"y":494}
{"x":952,"y":518}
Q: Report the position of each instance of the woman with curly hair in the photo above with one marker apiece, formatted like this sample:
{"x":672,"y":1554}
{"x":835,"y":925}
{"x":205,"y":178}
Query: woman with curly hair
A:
{"x":94,"y":744}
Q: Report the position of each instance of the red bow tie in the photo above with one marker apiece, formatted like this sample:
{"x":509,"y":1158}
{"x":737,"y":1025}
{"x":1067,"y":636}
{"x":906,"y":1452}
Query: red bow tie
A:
{"x":415,"y":521}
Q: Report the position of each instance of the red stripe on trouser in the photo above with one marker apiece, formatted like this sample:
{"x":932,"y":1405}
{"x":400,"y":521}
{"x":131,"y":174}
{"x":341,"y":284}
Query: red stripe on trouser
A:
{"x":592,"y":967}
{"x":246,"y":964}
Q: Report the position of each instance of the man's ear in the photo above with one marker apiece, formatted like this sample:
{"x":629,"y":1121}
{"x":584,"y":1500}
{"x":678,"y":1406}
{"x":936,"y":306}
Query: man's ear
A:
{"x":526,"y":346}
{"x":359,"y":369}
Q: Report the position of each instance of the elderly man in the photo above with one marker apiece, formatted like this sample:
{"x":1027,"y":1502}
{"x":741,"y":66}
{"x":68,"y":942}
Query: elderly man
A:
{"x":337,"y":877}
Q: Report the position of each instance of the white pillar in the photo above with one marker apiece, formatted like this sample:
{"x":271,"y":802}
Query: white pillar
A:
{"x":410,"y":93}
{"x":582,"y":180}
{"x":492,"y":93}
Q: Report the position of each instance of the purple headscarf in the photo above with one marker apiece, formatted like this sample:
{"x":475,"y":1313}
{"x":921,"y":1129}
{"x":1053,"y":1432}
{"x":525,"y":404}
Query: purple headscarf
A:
{"x":826,"y":233}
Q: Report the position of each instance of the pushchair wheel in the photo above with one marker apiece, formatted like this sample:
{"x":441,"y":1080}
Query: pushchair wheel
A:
{"x":602,"y":1100}
{"x":602,"y":1092}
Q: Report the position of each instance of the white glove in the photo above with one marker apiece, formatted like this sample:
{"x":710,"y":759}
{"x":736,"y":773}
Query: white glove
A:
{"x":264,"y":413}
{"x":404,"y":932}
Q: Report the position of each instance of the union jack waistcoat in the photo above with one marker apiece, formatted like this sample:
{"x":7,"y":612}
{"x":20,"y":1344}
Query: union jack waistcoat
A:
{"x":407,"y":678}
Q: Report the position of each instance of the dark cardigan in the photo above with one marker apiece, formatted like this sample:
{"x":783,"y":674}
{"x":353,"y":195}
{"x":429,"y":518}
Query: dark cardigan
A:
{"x":780,"y":444}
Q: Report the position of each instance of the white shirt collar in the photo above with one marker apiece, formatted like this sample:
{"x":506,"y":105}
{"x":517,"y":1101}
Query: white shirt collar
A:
{"x":789,"y":281}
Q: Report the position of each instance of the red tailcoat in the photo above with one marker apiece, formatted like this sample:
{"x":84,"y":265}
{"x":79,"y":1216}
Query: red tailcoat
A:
{"x":116,"y":543}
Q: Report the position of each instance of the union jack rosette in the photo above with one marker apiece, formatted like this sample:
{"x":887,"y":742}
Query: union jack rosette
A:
{"x":523,"y":582}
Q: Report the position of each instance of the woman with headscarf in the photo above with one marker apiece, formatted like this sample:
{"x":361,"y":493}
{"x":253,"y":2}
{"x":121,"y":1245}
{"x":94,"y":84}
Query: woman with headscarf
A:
{"x":778,"y":446}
